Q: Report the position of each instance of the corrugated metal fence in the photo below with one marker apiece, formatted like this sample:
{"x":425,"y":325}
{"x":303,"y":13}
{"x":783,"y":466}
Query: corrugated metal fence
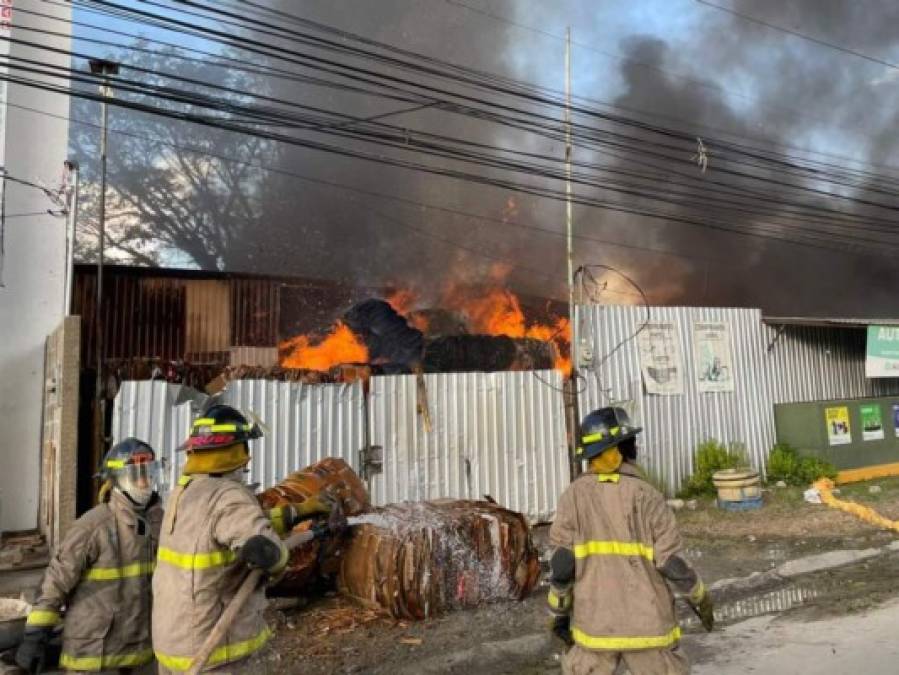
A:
{"x":501,"y":434}
{"x":674,"y":425}
{"x":818,"y":364}
{"x":306,"y":422}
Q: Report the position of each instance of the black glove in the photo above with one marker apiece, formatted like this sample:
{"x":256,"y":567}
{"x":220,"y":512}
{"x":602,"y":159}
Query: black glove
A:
{"x":261,"y":552}
{"x":32,"y":653}
{"x":334,"y":526}
{"x":560,"y":627}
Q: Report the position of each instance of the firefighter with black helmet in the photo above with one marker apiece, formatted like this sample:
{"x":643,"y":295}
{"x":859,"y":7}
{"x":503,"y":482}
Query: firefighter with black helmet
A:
{"x":99,"y":578}
{"x":616,"y":550}
{"x":214,"y":529}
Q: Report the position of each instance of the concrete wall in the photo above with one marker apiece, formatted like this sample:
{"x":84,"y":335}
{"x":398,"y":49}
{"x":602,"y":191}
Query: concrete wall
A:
{"x":62,"y":374}
{"x":31,"y":299}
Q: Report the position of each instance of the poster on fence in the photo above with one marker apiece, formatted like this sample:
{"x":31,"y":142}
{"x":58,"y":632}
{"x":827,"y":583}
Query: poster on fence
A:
{"x":896,"y":419}
{"x":713,"y":357}
{"x":838,"y":431}
{"x":872,"y":422}
{"x":661,"y":360}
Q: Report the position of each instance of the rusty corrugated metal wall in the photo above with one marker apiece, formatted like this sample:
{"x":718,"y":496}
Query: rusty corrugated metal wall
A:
{"x":177,"y":318}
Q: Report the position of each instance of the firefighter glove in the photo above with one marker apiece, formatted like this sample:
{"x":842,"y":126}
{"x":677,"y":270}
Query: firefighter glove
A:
{"x":334,"y":526}
{"x":31,"y":655}
{"x":260,"y":552}
{"x":317,"y":505}
{"x":701,"y":601}
{"x":560,"y":627}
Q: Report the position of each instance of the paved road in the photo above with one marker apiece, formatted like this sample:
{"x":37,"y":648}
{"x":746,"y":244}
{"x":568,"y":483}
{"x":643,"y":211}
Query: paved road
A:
{"x":864,"y":643}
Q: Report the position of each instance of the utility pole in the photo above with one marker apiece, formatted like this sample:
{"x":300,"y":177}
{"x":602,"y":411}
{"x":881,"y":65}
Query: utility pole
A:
{"x":568,"y":224}
{"x":106,"y":69}
{"x":573,"y":422}
{"x":71,"y":218}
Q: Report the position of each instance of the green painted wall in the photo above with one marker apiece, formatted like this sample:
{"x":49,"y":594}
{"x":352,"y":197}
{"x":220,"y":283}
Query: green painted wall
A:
{"x":804,"y":426}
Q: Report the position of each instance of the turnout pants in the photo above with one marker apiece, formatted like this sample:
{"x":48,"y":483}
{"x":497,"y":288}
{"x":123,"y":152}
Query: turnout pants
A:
{"x":670,"y":661}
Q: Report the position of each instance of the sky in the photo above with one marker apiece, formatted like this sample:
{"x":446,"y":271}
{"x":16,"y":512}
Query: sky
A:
{"x":679,"y":63}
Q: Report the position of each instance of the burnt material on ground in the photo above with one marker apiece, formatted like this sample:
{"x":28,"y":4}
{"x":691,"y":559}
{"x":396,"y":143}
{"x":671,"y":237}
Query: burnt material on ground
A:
{"x":419,"y":559}
{"x":387,"y":335}
{"x":463,"y":353}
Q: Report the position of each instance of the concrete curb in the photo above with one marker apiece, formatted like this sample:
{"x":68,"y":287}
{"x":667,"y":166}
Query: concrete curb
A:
{"x":818,"y":562}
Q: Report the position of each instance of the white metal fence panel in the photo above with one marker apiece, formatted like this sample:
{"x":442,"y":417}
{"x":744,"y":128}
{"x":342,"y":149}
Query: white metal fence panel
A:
{"x":158,"y":413}
{"x":498,"y":434}
{"x":305,"y":422}
{"x":675,"y":425}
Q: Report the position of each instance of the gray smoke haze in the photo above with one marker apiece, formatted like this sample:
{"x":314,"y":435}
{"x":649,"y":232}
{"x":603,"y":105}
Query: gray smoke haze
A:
{"x":683,"y":65}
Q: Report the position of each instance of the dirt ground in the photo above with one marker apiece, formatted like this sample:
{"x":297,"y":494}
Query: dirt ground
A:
{"x":332,"y":635}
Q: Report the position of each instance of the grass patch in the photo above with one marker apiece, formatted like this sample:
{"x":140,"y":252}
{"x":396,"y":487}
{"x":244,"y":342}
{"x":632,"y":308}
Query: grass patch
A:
{"x":787,"y":465}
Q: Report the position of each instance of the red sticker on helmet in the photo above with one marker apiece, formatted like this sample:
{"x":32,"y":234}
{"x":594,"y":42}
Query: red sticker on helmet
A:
{"x":210,"y":439}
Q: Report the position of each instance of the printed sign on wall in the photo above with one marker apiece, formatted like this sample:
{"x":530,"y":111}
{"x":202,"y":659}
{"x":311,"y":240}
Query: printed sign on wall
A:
{"x":882,"y":353}
{"x":872,"y":422}
{"x":712,"y":357}
{"x":896,"y":419}
{"x":661,"y":360}
{"x":838,"y":432}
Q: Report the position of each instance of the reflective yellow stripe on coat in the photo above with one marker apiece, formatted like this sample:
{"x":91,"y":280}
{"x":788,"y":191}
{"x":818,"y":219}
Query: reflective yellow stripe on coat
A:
{"x":42,"y":618}
{"x":223,"y":654}
{"x":625,"y":643}
{"x":106,"y":661}
{"x":138,"y":569}
{"x":196,"y":561}
{"x":627,"y":548}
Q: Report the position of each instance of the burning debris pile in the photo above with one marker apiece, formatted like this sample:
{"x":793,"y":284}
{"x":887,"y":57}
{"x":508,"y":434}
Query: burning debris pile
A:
{"x":413,"y":560}
{"x":417,"y":560}
{"x":487,"y":333}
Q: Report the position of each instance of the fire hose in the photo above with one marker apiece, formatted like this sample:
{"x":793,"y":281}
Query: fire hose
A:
{"x":247,"y":587}
{"x":824,"y":486}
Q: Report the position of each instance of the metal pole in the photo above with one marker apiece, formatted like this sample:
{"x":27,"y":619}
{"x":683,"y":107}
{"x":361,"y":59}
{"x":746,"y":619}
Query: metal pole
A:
{"x":573,"y":381}
{"x":71,"y":218}
{"x":101,"y":248}
{"x":568,"y":224}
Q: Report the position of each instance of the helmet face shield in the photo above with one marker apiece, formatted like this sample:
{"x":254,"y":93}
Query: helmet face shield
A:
{"x":139,"y":480}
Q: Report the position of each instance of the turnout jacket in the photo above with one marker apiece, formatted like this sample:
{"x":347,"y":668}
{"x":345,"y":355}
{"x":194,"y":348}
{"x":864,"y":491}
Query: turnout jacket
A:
{"x":100,"y":576}
{"x":197,"y":575}
{"x":622,"y":533}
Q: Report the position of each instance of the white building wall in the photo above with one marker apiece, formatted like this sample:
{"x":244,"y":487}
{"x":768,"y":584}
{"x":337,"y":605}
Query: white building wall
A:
{"x":31,"y":299}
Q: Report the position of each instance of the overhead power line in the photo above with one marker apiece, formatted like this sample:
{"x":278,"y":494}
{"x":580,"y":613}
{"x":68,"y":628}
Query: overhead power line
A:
{"x":804,"y":36}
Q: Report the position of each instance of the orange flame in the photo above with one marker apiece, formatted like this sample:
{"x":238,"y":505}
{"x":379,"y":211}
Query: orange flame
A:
{"x":498,"y":312}
{"x":340,"y":346}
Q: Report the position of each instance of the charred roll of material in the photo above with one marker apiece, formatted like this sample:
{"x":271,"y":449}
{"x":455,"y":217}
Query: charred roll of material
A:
{"x":417,"y":560}
{"x":333,"y":478}
{"x":464,"y":353}
{"x":388,"y":336}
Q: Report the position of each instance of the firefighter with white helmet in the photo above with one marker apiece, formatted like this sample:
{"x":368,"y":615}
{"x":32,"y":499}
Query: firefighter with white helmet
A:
{"x":616,"y":545}
{"x":99,"y":578}
{"x":213,"y":530}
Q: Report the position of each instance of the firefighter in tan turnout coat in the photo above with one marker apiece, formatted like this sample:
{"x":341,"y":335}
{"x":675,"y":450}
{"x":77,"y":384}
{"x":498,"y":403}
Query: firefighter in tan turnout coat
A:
{"x":213,"y":530}
{"x":616,"y":549}
{"x":99,"y":578}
